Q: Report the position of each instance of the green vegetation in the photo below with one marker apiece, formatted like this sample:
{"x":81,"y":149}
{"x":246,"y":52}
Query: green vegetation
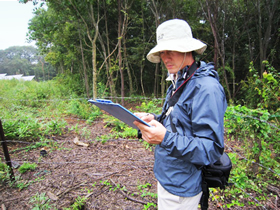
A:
{"x":4,"y":172}
{"x":26,"y":61}
{"x":114,"y":62}
{"x":26,"y":167}
{"x":32,"y":112}
{"x":5,"y":175}
{"x":141,"y":188}
{"x":256,"y":130}
{"x":64,"y":33}
{"x":144,"y":192}
{"x":78,"y":204}
{"x":68,"y":58}
{"x":40,"y":202}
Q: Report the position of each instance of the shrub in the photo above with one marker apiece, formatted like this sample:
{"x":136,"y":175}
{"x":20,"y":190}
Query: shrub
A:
{"x":262,"y":91}
{"x":26,"y":167}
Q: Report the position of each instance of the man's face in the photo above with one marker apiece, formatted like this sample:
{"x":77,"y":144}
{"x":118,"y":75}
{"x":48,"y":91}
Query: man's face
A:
{"x":172,"y":60}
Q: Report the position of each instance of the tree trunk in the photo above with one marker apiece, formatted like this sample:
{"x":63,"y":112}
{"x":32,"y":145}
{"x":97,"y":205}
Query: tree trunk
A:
{"x":144,"y":51}
{"x":108,"y":59}
{"x":94,"y":71}
{"x":92,"y":40}
{"x":264,"y":40}
{"x":156,"y":81}
{"x":215,"y":36}
{"x":261,"y":50}
{"x":125,"y":26}
{"x":155,"y":11}
{"x":223,"y":53}
{"x":43,"y":69}
{"x":212,"y":18}
{"x":233,"y":70}
{"x":128,"y":71}
{"x":120,"y":51}
{"x":84,"y":66}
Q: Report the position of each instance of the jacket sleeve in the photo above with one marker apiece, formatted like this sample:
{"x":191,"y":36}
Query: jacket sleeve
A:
{"x":203,"y":142}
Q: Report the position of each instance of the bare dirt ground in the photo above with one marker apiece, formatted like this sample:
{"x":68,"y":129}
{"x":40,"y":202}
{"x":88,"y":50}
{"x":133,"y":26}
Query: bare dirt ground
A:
{"x":108,"y":174}
{"x":111,"y":175}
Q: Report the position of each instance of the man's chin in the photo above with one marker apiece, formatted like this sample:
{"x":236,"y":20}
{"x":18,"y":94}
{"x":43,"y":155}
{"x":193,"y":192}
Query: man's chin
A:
{"x":172,"y":71}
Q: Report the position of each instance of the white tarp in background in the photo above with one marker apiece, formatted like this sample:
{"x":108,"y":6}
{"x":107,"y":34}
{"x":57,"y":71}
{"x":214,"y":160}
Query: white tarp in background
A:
{"x":18,"y":76}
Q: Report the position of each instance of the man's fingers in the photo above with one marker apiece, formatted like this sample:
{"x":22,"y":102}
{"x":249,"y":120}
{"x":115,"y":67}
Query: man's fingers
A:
{"x":140,"y":125}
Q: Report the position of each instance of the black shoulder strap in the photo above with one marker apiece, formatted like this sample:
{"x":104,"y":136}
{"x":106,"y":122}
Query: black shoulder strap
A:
{"x":205,"y":195}
{"x":176,"y":95}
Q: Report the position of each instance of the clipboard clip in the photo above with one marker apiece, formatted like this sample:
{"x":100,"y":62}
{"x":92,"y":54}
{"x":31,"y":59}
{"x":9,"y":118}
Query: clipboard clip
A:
{"x":104,"y":101}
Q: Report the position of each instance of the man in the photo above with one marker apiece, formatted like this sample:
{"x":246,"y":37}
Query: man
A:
{"x":190,"y":133}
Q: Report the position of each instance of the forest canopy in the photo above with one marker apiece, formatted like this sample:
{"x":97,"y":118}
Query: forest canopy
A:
{"x":102,"y":44}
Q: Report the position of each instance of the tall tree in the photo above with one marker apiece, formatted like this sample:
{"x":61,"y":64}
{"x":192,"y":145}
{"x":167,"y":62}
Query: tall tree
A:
{"x":90,"y":18}
{"x":120,"y":23}
{"x":266,"y":13}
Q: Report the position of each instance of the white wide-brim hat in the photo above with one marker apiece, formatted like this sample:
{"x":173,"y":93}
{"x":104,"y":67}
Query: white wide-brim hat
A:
{"x":175,"y":35}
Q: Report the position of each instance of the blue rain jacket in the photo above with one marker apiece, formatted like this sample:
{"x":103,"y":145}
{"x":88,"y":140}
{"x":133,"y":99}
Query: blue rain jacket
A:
{"x":199,"y":120}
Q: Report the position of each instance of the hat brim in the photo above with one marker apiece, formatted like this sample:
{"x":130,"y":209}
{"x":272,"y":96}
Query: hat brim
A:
{"x":183,"y":45}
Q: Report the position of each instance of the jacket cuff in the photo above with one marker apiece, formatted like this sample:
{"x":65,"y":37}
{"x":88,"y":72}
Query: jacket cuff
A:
{"x":165,"y":139}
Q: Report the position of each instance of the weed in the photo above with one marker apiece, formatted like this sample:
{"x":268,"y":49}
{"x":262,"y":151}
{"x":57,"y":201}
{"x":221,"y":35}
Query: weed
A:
{"x":85,"y":133}
{"x":83,"y":110}
{"x":147,"y":145}
{"x":107,"y":183}
{"x":40,"y":202}
{"x":145,"y":193}
{"x":116,"y":124}
{"x":4,"y":172}
{"x":153,"y":106}
{"x":27,"y":166}
{"x":5,"y":176}
{"x":142,"y":189}
{"x":20,"y":184}
{"x":78,"y":204}
{"x":148,"y":205}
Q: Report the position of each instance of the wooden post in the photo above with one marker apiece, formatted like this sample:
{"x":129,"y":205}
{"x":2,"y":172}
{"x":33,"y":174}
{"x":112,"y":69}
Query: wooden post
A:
{"x":6,"y":152}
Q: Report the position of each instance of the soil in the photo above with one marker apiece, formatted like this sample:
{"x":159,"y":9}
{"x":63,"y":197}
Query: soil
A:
{"x":115,"y":174}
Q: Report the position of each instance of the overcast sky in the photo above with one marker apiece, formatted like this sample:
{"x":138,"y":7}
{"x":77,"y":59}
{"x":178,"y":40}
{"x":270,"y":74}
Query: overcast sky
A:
{"x":14,"y":18}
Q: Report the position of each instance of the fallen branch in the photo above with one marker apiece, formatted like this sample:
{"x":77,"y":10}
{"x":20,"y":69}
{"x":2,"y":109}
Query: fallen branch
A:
{"x":59,"y":194}
{"x":106,"y":175}
{"x":12,"y":199}
{"x":274,"y":189}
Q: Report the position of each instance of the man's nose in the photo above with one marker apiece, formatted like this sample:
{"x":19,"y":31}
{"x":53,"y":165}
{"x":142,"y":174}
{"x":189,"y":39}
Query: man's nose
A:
{"x":165,"y":56}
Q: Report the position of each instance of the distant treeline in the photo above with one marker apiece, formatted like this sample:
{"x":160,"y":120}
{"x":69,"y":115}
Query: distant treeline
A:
{"x":26,"y":61}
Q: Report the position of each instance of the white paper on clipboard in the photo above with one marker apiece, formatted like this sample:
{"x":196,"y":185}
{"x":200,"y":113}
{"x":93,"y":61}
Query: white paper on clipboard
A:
{"x":118,"y":111}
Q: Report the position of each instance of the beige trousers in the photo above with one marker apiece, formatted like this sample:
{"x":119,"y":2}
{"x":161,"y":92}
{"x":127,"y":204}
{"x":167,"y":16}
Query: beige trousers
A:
{"x":168,"y":201}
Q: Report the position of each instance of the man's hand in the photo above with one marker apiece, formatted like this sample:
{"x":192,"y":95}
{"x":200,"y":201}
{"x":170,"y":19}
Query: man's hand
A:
{"x":145,"y":116}
{"x":154,"y":134}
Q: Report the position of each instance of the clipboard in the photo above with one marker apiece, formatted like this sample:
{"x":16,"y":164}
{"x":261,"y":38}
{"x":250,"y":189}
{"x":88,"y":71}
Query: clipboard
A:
{"x":118,"y":111}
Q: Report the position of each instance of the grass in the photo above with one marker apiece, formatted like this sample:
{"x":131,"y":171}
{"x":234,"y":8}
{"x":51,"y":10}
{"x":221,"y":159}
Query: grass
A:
{"x":30,"y":110}
{"x":34,"y":112}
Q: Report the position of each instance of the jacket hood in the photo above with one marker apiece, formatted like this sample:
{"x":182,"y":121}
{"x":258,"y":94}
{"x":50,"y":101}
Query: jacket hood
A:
{"x":205,"y":69}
